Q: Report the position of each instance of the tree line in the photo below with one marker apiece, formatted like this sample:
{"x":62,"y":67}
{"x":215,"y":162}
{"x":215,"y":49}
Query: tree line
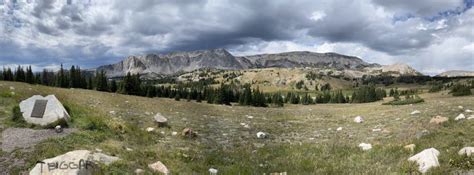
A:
{"x":226,"y":94}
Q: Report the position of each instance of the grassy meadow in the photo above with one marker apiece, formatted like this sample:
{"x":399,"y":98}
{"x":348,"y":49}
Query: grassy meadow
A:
{"x":303,"y":139}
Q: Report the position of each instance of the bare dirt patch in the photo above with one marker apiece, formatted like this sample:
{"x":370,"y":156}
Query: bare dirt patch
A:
{"x":24,"y":137}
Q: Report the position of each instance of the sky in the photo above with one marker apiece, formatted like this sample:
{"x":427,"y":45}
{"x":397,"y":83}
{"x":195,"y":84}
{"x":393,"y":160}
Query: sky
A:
{"x":430,"y":35}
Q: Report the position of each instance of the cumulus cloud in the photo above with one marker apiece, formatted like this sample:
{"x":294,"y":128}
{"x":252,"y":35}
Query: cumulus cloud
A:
{"x":95,"y":32}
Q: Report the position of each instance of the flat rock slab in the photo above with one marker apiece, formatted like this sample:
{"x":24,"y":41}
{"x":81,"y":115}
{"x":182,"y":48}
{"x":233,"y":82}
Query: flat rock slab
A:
{"x":24,"y":137}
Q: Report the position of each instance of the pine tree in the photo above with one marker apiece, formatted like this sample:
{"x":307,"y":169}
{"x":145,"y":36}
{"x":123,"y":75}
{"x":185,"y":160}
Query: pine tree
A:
{"x":101,"y":81}
{"x":113,"y":86}
{"x":306,"y":100}
{"x":47,"y":78}
{"x":29,"y":78}
{"x":258,"y":98}
{"x":295,"y":99}
{"x":20,"y":74}
{"x":72,"y":77}
{"x":246,"y":96}
{"x":177,"y":97}
{"x":198,"y":98}
{"x":90,"y":83}
{"x":8,"y":74}
{"x":277,"y":100}
{"x":62,"y":79}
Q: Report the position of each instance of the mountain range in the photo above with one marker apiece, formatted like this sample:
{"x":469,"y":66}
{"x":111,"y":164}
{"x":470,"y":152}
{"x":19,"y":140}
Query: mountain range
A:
{"x":178,"y":62}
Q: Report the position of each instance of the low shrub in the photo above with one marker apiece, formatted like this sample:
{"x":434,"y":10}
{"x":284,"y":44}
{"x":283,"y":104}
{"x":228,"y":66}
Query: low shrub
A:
{"x":460,"y":90}
{"x":6,"y":94}
{"x":405,"y":101}
{"x":17,"y":116}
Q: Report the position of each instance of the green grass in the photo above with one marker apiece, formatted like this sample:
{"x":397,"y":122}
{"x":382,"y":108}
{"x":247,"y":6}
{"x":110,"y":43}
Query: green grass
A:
{"x":302,"y":139}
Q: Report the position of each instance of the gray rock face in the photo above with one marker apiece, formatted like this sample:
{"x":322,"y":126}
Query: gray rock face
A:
{"x":175,"y":62}
{"x":307,"y":59}
{"x":456,"y":73}
{"x":53,"y":110}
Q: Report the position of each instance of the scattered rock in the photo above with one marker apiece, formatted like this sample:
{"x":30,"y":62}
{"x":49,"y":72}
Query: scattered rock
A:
{"x":278,"y":173}
{"x":460,"y":117}
{"x":358,"y":119}
{"x":139,"y":171}
{"x":410,"y":147}
{"x":72,"y":159}
{"x":13,"y":93}
{"x":470,"y":117}
{"x":188,"y":132}
{"x":420,"y":134}
{"x":58,"y":129}
{"x":438,"y":120}
{"x":460,"y":107}
{"x":426,"y":159}
{"x":98,"y":150}
{"x":245,"y":125}
{"x":212,"y":171}
{"x":112,"y":112}
{"x":150,"y":129}
{"x":159,"y":167}
{"x":262,"y":135}
{"x":466,"y":151}
{"x":469,"y":111}
{"x":12,"y":88}
{"x":415,"y":112}
{"x":249,"y":116}
{"x":365,"y":146}
{"x":161,"y":120}
{"x":258,"y":145}
{"x":339,"y":129}
{"x":376,"y":130}
{"x":43,"y":111}
{"x":128,"y":149}
{"x":174,"y":133}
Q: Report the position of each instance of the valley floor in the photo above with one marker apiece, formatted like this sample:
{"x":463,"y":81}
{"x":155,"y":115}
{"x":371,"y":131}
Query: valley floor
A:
{"x":302,"y":139}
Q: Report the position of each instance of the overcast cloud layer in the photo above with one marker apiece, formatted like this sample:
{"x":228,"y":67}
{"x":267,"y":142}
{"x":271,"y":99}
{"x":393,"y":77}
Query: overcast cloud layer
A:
{"x":430,"y":35}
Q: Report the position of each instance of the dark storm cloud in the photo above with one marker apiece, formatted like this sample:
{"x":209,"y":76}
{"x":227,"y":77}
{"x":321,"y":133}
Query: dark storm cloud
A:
{"x":421,"y":8}
{"x":103,"y":31}
{"x":42,"y":8}
{"x":197,"y":26}
{"x":362,"y":25}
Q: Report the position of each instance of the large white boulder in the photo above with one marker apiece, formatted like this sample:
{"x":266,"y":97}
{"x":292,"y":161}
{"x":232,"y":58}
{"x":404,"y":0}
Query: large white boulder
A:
{"x":470,"y":117}
{"x":466,"y":151}
{"x":426,"y":159}
{"x":262,"y":135}
{"x":53,"y":112}
{"x":358,"y":119}
{"x":159,"y":167}
{"x":76,"y":162}
{"x":365,"y":146}
{"x":439,"y":119}
{"x":161,"y":120}
{"x":415,"y":112}
{"x":213,"y":171}
{"x":460,"y":117}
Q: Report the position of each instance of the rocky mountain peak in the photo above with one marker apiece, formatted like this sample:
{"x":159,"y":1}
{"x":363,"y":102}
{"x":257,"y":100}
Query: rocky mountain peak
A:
{"x":187,"y":61}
